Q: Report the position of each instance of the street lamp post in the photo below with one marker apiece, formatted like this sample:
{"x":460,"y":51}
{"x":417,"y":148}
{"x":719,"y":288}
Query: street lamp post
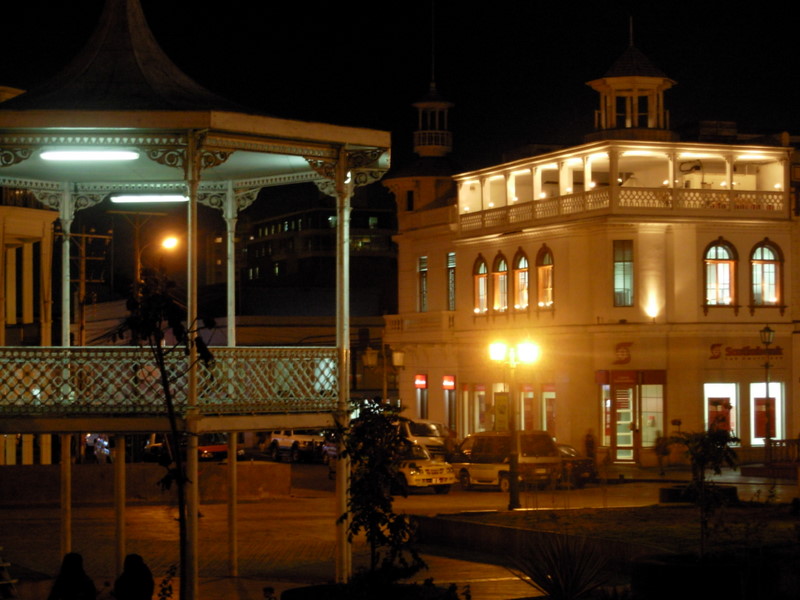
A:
{"x":767,"y":336}
{"x":370,"y":360}
{"x":512,"y":356}
{"x":167,"y":243}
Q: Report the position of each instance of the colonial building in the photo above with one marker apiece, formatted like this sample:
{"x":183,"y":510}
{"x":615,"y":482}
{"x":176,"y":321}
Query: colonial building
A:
{"x":641,"y":266}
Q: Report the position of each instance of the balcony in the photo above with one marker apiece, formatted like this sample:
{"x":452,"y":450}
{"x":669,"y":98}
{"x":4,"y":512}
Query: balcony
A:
{"x":124,"y":381}
{"x":651,"y":202}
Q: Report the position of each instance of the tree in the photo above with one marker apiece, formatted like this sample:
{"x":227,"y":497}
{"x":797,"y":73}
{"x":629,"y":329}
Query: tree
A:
{"x":707,"y":450}
{"x":153,"y":311}
{"x":374,"y":445}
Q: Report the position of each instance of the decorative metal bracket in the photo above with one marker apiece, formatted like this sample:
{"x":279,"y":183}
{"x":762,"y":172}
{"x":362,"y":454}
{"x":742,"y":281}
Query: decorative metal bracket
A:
{"x":14,"y":156}
{"x":169,"y":157}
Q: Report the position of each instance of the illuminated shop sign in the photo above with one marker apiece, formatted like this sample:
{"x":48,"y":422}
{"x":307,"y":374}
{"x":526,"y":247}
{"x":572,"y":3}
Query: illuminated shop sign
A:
{"x":420,"y":382}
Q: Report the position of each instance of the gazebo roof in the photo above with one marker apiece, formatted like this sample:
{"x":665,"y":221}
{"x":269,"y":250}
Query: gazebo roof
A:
{"x":121,"y":67}
{"x":122,"y":91}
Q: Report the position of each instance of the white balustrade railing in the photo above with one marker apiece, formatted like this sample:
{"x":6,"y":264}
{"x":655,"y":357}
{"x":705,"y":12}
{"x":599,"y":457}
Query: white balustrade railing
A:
{"x":98,"y":381}
{"x":664,"y":201}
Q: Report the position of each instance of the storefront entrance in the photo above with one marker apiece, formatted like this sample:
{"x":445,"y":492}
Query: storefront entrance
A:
{"x":632,"y":408}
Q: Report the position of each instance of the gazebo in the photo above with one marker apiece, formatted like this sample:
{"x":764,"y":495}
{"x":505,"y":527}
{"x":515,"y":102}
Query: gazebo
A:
{"x":122,"y":119}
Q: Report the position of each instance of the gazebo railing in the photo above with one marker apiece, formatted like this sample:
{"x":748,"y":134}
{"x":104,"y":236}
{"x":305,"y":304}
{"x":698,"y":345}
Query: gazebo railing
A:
{"x":108,"y":381}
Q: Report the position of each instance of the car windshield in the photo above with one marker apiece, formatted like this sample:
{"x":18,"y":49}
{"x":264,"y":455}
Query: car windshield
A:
{"x":426,"y":429}
{"x":537,"y":445}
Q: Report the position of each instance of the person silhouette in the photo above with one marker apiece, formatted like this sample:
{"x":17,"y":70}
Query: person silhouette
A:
{"x":135,"y":582}
{"x":72,"y":582}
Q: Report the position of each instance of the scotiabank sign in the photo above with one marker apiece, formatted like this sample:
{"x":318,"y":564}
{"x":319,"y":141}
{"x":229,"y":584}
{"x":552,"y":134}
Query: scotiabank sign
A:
{"x":720,"y":351}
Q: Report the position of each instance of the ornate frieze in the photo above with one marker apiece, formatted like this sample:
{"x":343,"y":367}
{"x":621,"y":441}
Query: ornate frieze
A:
{"x":269,"y":146}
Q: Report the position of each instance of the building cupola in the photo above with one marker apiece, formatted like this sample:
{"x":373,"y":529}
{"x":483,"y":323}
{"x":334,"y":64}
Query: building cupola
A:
{"x":433,"y":137}
{"x":632,"y":100}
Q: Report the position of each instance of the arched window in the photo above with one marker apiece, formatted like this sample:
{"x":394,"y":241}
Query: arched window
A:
{"x":720,"y":274}
{"x":481,"y":286}
{"x":500,"y":284}
{"x":544,"y":278}
{"x":520,"y":281}
{"x":766,"y":263}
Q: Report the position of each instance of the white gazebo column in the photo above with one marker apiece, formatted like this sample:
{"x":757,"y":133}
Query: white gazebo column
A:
{"x":344,"y":557}
{"x":233,"y":507}
{"x":191,"y":582}
{"x":66,"y":493}
{"x":66,"y":212}
{"x":46,"y":285}
{"x":120,"y":490}
{"x":230,"y":212}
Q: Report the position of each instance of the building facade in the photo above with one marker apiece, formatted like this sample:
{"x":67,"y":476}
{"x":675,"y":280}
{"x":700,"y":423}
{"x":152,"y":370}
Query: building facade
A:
{"x":642,"y":267}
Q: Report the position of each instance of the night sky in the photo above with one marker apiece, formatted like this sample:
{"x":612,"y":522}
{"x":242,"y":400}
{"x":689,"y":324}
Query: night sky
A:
{"x":516,"y":73}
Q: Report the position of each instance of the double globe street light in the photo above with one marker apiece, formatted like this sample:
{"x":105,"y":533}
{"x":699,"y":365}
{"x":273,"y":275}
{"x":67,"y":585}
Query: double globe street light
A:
{"x":525,"y":353}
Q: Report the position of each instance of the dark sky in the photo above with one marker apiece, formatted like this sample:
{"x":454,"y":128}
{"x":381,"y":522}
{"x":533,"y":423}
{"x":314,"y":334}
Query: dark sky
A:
{"x":516,"y":70}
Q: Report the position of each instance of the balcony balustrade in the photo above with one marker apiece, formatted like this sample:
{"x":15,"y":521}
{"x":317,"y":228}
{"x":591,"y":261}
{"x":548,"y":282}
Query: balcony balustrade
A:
{"x":664,"y":202}
{"x":124,"y":381}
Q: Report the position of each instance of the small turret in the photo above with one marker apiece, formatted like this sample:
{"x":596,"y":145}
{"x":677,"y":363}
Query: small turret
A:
{"x":632,"y":100}
{"x":433,"y":137}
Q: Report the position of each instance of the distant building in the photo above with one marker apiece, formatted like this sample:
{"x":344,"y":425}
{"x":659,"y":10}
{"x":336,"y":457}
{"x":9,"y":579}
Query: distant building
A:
{"x":289,"y":260}
{"x":643,"y":267}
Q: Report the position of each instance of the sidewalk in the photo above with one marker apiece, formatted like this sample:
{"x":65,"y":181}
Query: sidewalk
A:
{"x":289,"y":541}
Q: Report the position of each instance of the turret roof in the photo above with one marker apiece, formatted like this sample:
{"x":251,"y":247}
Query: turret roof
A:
{"x":633,"y":63}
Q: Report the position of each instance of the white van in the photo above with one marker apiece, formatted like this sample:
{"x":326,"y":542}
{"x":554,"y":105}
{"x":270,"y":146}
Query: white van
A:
{"x":435,"y":437}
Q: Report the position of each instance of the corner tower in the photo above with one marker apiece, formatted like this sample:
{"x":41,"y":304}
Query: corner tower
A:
{"x":632,"y":101}
{"x":433,"y":136}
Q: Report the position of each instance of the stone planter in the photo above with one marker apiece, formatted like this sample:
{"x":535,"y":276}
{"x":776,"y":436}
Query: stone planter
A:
{"x":685,"y":493}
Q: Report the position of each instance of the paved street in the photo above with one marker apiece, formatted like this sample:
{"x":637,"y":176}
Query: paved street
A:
{"x":285,"y":541}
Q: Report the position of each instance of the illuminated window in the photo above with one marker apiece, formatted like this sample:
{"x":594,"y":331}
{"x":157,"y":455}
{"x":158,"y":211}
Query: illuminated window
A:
{"x":623,"y":272}
{"x":422,"y":271}
{"x":500,"y":284}
{"x":520,"y":281}
{"x":481,"y":286}
{"x":766,"y":262}
{"x":451,"y":281}
{"x":720,"y":274}
{"x":544,"y":278}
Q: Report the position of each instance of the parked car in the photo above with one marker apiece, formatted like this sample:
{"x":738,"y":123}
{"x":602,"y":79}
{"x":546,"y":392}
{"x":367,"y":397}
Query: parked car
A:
{"x":417,"y":471}
{"x":210,"y":447}
{"x":297,"y":444}
{"x":434,"y":436}
{"x":330,"y":447}
{"x":483,"y":459}
{"x":576,"y":470}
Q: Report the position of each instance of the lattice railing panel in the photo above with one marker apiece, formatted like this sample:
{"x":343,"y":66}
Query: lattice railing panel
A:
{"x":126,"y":381}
